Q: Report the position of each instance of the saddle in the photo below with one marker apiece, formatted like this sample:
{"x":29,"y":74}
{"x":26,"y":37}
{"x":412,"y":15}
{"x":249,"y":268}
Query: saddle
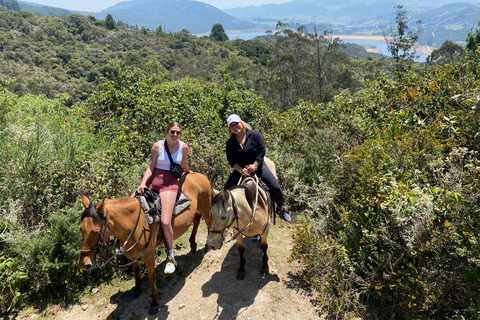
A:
{"x":263,"y":191}
{"x":152,"y":205}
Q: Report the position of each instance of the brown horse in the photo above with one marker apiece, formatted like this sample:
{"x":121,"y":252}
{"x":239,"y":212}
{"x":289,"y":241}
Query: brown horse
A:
{"x":243,"y":209}
{"x":125,"y":220}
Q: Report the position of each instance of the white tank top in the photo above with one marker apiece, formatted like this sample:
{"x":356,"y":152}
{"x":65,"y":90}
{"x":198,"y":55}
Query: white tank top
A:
{"x":162,"y":159}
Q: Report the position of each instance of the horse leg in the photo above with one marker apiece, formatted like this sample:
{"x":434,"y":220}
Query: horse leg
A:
{"x":152,"y":278}
{"x":138,"y":280}
{"x":241,"y":250}
{"x":264,"y":247}
{"x":193,"y":243}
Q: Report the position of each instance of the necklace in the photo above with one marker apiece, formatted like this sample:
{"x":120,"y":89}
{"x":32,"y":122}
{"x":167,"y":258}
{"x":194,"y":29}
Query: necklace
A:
{"x":241,"y":142}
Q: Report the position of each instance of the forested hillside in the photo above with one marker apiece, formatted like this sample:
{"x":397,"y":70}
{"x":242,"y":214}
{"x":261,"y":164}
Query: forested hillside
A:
{"x":378,"y":159}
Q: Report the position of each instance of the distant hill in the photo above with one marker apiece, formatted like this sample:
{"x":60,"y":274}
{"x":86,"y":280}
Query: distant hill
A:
{"x":441,"y":20}
{"x":172,"y":15}
{"x":43,"y":10}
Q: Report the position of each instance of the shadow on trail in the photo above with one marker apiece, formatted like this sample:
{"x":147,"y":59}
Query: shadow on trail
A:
{"x":235,"y":295}
{"x":168,"y":286}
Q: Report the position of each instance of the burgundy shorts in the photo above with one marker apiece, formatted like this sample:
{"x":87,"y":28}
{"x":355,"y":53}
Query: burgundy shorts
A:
{"x":163,"y":180}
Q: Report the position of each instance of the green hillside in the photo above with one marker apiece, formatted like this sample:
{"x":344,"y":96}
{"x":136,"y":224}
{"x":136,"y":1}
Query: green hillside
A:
{"x":378,"y":158}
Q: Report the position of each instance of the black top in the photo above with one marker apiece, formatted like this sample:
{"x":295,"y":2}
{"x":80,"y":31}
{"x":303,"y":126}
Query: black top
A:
{"x":253,"y":150}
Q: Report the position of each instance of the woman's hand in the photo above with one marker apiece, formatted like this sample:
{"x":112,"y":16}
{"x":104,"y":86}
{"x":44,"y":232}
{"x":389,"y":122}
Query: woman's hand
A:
{"x":140,"y":189}
{"x":249,"y":169}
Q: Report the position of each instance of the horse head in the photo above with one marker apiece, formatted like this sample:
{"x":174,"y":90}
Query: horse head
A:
{"x":93,"y":228}
{"x":222,"y":216}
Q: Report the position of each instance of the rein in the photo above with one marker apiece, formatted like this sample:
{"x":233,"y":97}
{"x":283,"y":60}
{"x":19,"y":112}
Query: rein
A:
{"x":234,"y":206}
{"x":121,"y":250}
{"x":240,"y":232}
{"x":235,"y":212}
{"x":98,"y":246}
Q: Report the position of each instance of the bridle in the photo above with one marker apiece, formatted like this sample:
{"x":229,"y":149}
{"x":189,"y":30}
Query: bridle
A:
{"x":121,"y":250}
{"x":235,"y":212}
{"x":228,"y":223}
{"x":98,"y":247}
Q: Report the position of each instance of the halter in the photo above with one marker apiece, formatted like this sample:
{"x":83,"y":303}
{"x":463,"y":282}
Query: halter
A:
{"x":101,"y":239}
{"x":235,"y":213}
{"x":121,"y":250}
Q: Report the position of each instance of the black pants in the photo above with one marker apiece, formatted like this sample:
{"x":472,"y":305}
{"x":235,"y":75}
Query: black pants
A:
{"x":267,"y":177}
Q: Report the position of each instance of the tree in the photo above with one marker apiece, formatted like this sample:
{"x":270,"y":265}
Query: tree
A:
{"x":447,"y":53}
{"x":218,"y":33}
{"x":473,"y":39}
{"x":110,"y":23}
{"x":402,"y":40}
{"x":159,"y":31}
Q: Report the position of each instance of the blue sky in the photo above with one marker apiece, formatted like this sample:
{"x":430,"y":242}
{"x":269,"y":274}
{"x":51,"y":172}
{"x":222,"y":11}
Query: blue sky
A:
{"x":96,"y":5}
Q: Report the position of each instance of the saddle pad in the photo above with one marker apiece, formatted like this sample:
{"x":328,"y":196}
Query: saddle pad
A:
{"x":153,"y":211}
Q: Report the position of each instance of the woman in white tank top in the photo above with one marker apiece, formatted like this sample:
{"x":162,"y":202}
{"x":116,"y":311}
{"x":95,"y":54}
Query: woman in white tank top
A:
{"x":158,"y":177}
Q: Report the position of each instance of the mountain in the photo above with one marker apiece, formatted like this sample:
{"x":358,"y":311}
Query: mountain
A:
{"x":42,"y":9}
{"x":279,"y":10}
{"x":172,"y":15}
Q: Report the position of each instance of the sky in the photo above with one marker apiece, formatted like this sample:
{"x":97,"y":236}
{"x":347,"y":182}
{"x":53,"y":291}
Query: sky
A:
{"x":97,"y":6}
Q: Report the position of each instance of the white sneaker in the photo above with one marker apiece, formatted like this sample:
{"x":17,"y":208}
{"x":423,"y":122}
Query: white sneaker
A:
{"x":171,"y":265}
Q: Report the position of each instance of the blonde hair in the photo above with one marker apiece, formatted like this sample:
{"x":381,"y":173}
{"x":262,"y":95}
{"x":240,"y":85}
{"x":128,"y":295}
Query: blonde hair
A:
{"x":244,"y":125}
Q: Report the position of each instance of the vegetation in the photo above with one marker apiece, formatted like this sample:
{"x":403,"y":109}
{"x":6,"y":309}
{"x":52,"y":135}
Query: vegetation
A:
{"x":381,"y":171}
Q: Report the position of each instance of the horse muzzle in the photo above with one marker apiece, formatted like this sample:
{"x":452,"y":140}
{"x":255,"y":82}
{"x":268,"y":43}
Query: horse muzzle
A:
{"x":215,"y":241}
{"x":87,"y":263}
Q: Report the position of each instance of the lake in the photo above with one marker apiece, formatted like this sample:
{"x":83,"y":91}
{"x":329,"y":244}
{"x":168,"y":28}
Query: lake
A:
{"x":380,"y":44}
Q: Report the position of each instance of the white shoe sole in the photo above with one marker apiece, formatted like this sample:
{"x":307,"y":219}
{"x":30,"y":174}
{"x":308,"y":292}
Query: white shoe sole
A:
{"x":169,"y":268}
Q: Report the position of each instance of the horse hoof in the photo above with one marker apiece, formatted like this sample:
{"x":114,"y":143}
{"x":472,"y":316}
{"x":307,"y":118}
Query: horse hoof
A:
{"x":264,"y":273}
{"x":240,"y":276}
{"x":153,"y":310}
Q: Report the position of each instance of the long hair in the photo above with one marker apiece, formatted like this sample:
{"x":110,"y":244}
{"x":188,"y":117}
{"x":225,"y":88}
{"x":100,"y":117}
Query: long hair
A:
{"x":244,"y":124}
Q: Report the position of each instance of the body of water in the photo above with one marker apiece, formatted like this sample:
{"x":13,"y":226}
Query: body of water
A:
{"x":379,"y":44}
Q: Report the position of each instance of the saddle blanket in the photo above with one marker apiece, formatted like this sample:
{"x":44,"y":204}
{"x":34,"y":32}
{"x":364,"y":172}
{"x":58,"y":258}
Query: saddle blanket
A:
{"x":152,"y":206}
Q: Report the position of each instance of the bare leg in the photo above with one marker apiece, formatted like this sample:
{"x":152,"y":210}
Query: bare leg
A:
{"x":168,"y":203}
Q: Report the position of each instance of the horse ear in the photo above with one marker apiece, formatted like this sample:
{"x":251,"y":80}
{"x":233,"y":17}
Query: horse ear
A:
{"x":85,"y":201}
{"x":215,"y":192}
{"x":226,"y":195}
{"x":100,"y":210}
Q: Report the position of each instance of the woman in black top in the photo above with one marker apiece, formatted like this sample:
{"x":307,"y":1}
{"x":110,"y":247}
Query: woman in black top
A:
{"x":245,"y":152}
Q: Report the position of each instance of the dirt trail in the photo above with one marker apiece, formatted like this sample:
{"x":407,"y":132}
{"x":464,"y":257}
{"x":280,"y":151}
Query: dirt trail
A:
{"x":204,"y":287}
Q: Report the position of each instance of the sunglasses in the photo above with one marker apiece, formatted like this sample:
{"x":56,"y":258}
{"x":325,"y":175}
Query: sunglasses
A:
{"x":175,"y":132}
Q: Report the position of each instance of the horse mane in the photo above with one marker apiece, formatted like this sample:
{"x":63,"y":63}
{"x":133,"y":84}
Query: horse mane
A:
{"x":250,"y":194}
{"x":218,"y":197}
{"x":91,"y":213}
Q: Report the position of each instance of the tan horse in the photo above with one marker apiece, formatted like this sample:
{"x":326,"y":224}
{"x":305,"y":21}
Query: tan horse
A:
{"x":119,"y":217}
{"x":244,"y":210}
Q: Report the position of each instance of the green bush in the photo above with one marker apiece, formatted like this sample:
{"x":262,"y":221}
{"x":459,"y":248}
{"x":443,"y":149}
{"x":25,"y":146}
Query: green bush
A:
{"x":399,"y":238}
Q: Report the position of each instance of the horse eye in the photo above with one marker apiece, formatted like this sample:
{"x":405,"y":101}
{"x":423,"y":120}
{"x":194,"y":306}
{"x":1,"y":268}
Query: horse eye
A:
{"x":223,"y":217}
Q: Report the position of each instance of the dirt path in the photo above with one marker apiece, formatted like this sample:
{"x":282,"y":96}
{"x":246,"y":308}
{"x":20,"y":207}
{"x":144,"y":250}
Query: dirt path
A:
{"x":204,"y":287}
